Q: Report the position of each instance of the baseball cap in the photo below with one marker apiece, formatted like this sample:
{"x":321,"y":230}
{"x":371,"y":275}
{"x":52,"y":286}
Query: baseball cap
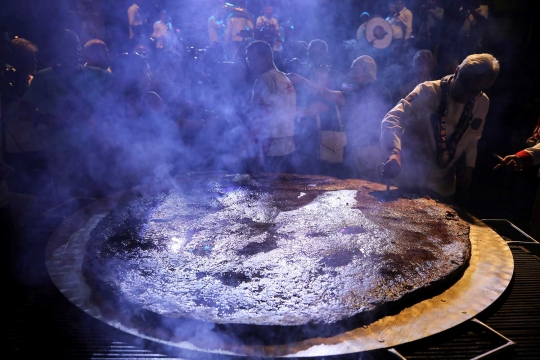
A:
{"x":368,"y":64}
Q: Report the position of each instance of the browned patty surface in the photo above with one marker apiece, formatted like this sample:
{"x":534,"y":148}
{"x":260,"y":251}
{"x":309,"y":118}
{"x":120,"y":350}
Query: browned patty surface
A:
{"x":273,"y":250}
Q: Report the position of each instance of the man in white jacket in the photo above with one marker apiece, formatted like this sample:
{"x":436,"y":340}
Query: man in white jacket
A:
{"x":434,"y":126}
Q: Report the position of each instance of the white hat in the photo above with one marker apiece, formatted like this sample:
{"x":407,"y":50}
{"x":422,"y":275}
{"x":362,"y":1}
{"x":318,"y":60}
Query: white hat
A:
{"x":368,"y":64}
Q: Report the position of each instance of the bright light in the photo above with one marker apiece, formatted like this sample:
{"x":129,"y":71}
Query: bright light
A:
{"x":177,"y":243}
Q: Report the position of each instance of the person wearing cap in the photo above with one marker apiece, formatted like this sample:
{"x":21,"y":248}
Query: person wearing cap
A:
{"x":435,"y":126}
{"x":362,"y":104}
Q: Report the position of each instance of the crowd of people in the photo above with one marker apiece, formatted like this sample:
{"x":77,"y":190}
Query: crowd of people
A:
{"x":255,"y":99}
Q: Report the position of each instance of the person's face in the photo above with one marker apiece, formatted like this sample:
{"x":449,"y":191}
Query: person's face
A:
{"x":393,"y":9}
{"x":399,"y":5}
{"x":163,"y":16}
{"x":268,"y":11}
{"x":98,"y":57}
{"x":463,"y":90}
{"x":358,"y":74}
{"x":423,"y":64}
{"x":253,"y":61}
{"x":33,"y":66}
{"x":105,"y":59}
{"x":317,"y":56}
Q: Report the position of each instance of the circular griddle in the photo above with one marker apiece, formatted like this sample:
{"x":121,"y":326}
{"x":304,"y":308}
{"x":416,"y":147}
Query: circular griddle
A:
{"x":484,"y":280}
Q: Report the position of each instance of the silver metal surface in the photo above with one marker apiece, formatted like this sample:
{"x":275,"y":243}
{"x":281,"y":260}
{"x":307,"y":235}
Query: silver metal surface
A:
{"x":486,"y":278}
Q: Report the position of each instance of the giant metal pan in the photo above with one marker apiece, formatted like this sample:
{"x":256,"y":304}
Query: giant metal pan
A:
{"x":486,"y":278}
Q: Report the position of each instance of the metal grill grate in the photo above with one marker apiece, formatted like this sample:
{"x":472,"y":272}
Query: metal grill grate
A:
{"x":516,"y":315}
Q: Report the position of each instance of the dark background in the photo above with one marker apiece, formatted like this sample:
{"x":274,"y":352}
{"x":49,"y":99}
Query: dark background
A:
{"x":515,"y":98}
{"x":40,"y":321}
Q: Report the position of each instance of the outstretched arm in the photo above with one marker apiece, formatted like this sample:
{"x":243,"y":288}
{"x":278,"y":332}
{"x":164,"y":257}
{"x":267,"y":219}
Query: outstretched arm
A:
{"x":392,"y":127}
{"x":317,"y":90}
{"x":521,"y":159}
{"x":312,"y":109}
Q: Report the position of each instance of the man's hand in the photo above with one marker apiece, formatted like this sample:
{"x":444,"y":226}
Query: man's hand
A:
{"x":392,"y":167}
{"x":467,"y":178}
{"x":511,"y":162}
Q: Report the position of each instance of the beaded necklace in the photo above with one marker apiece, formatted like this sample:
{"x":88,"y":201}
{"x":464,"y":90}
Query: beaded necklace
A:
{"x":447,"y":145}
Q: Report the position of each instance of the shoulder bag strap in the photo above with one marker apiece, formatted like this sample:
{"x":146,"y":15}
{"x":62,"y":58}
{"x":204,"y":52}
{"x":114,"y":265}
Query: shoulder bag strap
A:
{"x":338,"y":117}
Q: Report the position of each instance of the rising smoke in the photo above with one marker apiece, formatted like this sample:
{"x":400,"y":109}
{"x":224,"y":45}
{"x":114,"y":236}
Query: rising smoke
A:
{"x":119,"y":135}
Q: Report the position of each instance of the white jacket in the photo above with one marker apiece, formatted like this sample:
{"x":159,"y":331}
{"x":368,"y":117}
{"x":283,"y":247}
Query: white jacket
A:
{"x":408,"y":128}
{"x":534,"y":152}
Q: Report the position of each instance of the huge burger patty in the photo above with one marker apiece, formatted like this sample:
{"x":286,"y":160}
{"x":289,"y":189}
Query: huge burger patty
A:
{"x":273,"y":250}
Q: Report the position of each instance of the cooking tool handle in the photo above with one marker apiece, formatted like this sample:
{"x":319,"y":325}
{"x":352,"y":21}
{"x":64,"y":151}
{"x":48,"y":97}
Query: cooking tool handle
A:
{"x":383,"y":179}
